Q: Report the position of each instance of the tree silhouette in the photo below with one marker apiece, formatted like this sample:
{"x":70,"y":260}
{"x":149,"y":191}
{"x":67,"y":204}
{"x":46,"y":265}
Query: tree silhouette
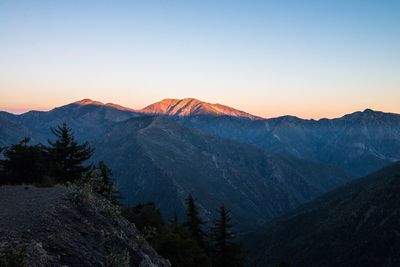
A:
{"x":105,"y":186}
{"x":194,"y":222}
{"x":23,"y":163}
{"x":67,"y":155}
{"x":225,"y":251}
{"x":144,"y":215}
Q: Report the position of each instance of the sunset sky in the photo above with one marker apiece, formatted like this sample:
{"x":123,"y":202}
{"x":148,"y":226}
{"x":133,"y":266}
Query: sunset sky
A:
{"x":311,"y":59}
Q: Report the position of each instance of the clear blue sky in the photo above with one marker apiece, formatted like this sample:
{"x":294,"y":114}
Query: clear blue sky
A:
{"x":307,"y":58}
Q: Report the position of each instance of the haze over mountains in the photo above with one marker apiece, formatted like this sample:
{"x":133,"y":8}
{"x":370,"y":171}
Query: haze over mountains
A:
{"x":260,"y":168}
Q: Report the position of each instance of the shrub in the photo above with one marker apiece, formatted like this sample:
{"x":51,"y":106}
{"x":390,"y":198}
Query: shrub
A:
{"x":118,"y":258}
{"x":12,"y":254}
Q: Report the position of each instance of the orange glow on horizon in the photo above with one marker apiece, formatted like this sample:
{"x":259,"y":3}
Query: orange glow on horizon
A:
{"x":270,"y":112}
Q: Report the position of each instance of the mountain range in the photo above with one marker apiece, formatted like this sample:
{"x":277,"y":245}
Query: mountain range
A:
{"x":361,"y":142}
{"x":162,"y":160}
{"x":260,"y":168}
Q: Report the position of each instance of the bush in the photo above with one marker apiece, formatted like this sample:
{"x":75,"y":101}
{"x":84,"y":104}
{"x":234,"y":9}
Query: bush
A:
{"x":83,"y":191}
{"x":80,"y":192}
{"x":12,"y":254}
{"x":118,"y":258}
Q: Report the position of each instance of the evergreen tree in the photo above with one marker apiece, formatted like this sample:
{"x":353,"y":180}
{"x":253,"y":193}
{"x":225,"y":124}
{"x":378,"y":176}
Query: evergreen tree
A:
{"x":225,"y":251}
{"x":194,"y":222}
{"x":23,"y":163}
{"x":144,"y":215}
{"x":106,"y":186}
{"x":176,"y":244}
{"x":67,"y":155}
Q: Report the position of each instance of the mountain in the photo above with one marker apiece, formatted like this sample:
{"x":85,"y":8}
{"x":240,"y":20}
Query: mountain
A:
{"x":88,"y":118}
{"x":156,"y":158}
{"x":11,"y":132}
{"x":49,"y":226}
{"x":161,"y":160}
{"x":260,"y":168}
{"x":193,"y":107}
{"x":87,"y":101}
{"x":355,"y":225}
{"x":361,"y":142}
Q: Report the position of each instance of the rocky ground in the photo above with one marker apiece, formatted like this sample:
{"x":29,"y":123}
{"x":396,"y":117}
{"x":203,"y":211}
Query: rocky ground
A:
{"x":55,"y":227}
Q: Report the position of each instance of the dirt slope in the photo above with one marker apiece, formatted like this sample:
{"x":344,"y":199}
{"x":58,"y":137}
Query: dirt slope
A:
{"x":44,"y":227}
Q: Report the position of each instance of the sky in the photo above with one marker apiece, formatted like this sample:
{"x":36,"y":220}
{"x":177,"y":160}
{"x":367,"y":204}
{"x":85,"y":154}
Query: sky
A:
{"x":310,"y":59}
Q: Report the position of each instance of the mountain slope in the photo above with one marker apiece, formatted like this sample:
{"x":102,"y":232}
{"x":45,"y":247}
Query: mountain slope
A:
{"x":361,"y":142}
{"x":11,"y":132}
{"x":161,"y":160}
{"x":193,"y":107}
{"x":356,"y":225}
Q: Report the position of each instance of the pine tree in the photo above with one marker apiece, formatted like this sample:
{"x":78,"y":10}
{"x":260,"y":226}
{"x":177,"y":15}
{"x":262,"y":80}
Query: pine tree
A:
{"x":106,"y":185}
{"x":225,"y":251}
{"x":177,"y":245}
{"x":67,"y":155}
{"x":144,"y":215}
{"x":23,"y":163}
{"x":194,"y":222}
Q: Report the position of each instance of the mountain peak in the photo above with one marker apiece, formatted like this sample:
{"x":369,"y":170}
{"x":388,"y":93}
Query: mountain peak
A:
{"x":370,"y":115}
{"x":88,"y":101}
{"x":368,"y":110}
{"x":193,"y":107}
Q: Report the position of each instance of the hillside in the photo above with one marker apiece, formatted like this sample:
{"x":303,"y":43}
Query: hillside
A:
{"x":356,"y":225}
{"x":361,"y":142}
{"x":44,"y":227}
{"x":157,"y":159}
{"x":10,"y":131}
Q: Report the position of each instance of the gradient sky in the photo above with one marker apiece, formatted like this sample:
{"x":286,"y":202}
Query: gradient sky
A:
{"x":312,"y":59}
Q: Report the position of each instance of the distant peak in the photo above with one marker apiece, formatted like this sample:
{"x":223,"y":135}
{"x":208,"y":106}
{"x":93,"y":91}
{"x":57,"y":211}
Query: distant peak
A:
{"x":368,"y":114}
{"x":119,"y":107}
{"x":88,"y":101}
{"x":193,"y":107}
